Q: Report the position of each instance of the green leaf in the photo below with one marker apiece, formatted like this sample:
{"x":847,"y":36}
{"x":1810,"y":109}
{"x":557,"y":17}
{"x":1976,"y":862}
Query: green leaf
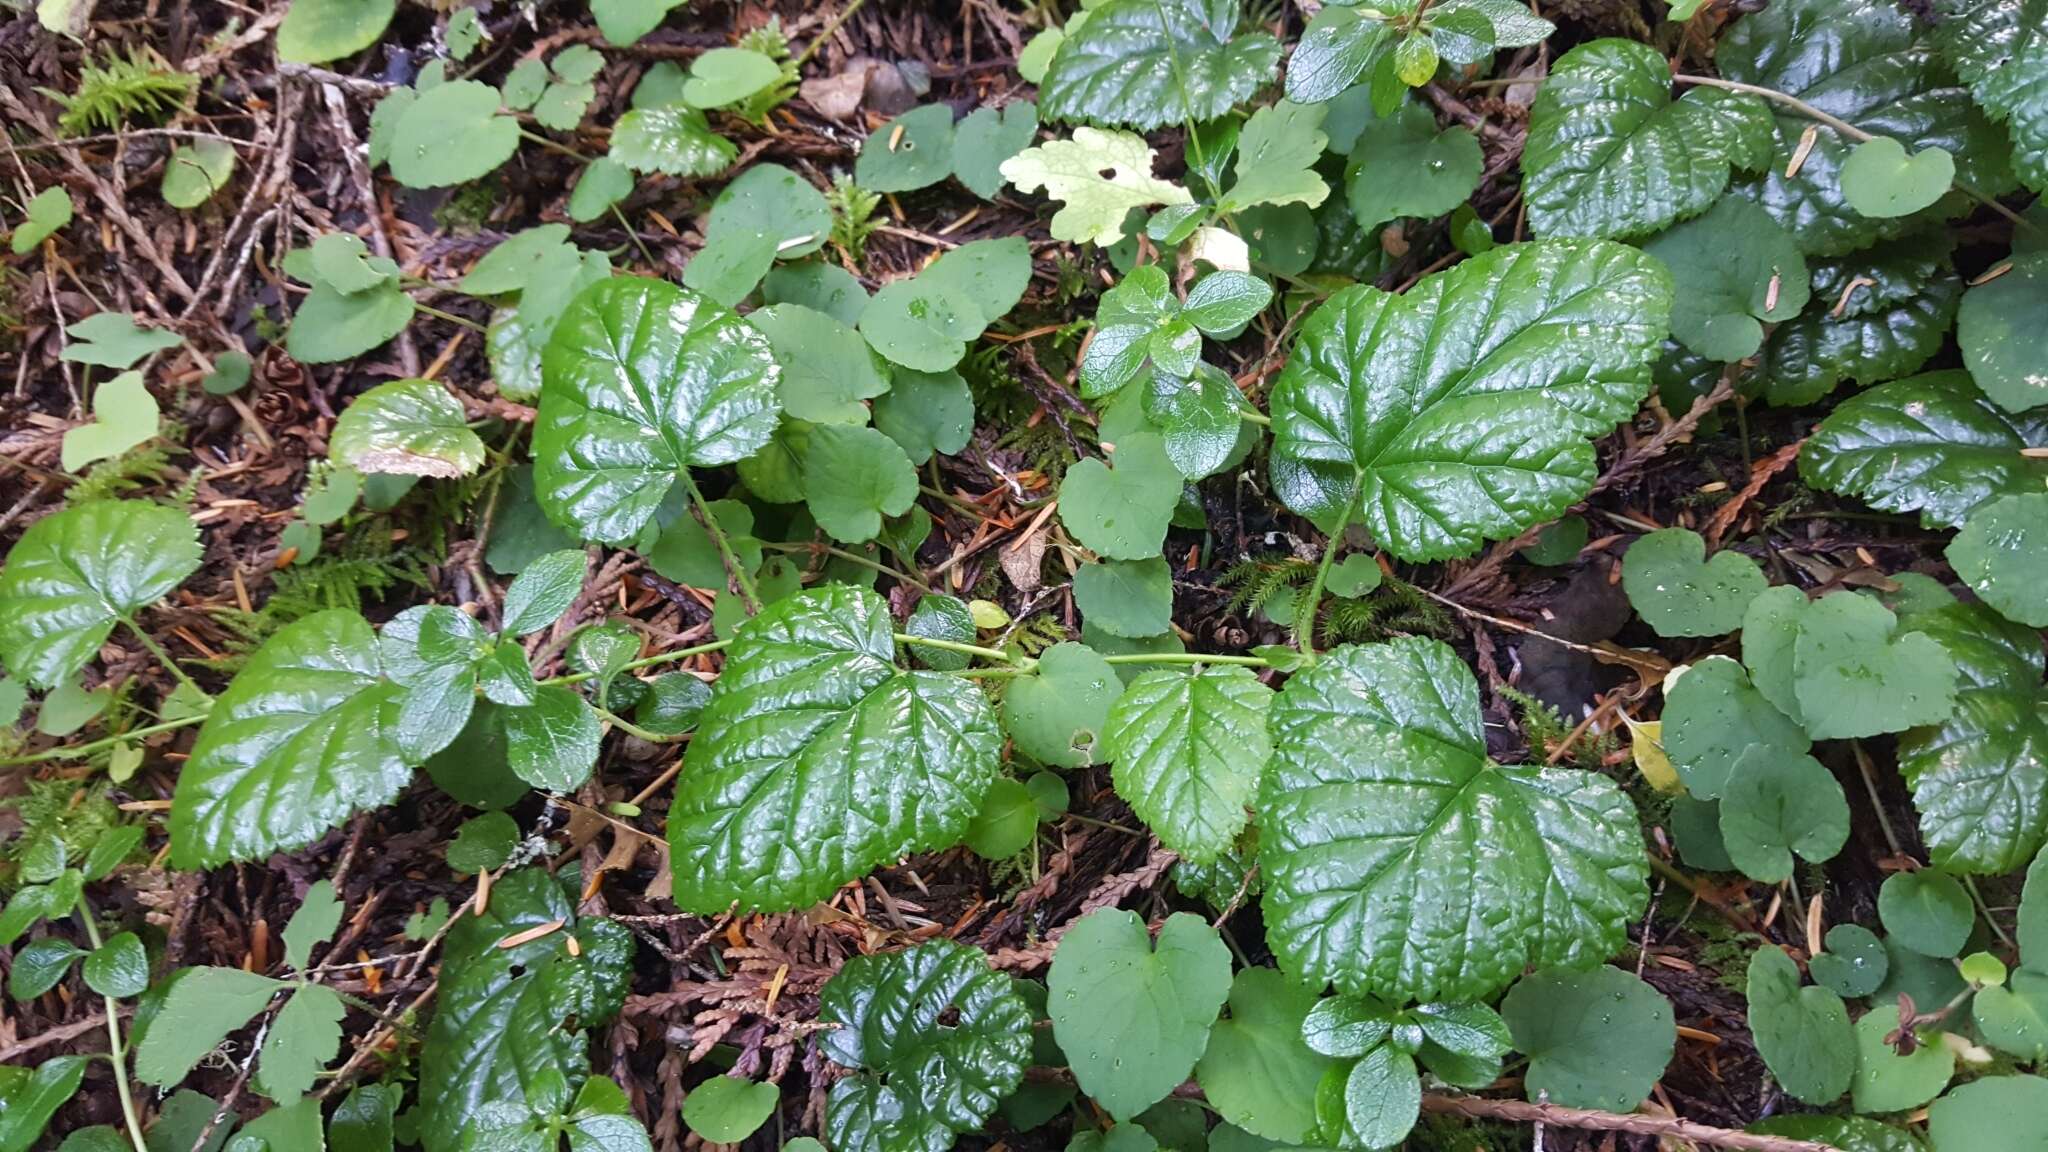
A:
{"x":1995,"y":1114}
{"x":28,"y":1099}
{"x":1595,"y":1039}
{"x":1879,"y":179}
{"x":670,"y":139}
{"x":1712,"y":715}
{"x":1129,"y":598}
{"x":1097,"y":176}
{"x":1999,"y":50}
{"x":114,"y":340}
{"x":1415,"y":60}
{"x":985,"y":139}
{"x":1854,"y":676}
{"x":1848,"y":1133}
{"x":1776,"y":803}
{"x":452,"y":134}
{"x":810,"y":723}
{"x":727,"y":1109}
{"x":304,"y":736}
{"x":1980,"y":778}
{"x":1854,"y":963}
{"x":926,"y":413}
{"x":1865,"y":62}
{"x":925,"y":321}
{"x":769,"y":213}
{"x":1059,"y":715}
{"x":605,"y":182}
{"x":1188,"y":751}
{"x":362,"y":1122}
{"x":330,"y":325}
{"x":1006,"y":822}
{"x":546,"y":587}
{"x":1382,"y":1098}
{"x":686,"y":554}
{"x":1133,"y":1019}
{"x":2001,"y":553}
{"x":937,"y":1037}
{"x":1735,"y":269}
{"x":125,"y":415}
{"x":41,"y":965}
{"x":316,"y":31}
{"x":1889,"y":1082}
{"x":312,"y":925}
{"x":819,"y":286}
{"x":303,"y":1038}
{"x":1344,"y":1026}
{"x":1611,"y":154}
{"x":827,"y":369}
{"x":624,"y":21}
{"x":75,"y":573}
{"x":915,"y":150}
{"x":1462,"y":410}
{"x":291,"y":1127}
{"x":46,"y":215}
{"x":406,"y":428}
{"x":1256,"y":1071}
{"x":1929,"y":912}
{"x":1147,"y":63}
{"x":1277,"y":151}
{"x":197,"y":170}
{"x":1995,"y":327}
{"x":1930,"y":444}
{"x":644,"y":379}
{"x":552,"y":743}
{"x":854,"y":477}
{"x":1679,"y":592}
{"x":509,"y":1022}
{"x":725,"y":76}
{"x":1398,"y":860}
{"x":1336,"y":48}
{"x":521,"y":261}
{"x":1122,"y":513}
{"x":1803,"y":1034}
{"x":2014,"y":1019}
{"x":200,"y":1007}
{"x":483,"y":843}
{"x":1874,"y":315}
{"x":1402,"y":166}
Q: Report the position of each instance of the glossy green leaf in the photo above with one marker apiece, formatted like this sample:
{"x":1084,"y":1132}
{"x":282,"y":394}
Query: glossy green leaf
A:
{"x":1336,"y":48}
{"x":810,"y":722}
{"x":1803,"y":1034}
{"x":2001,"y":554}
{"x":1996,"y":325}
{"x":1776,"y":803}
{"x":75,"y":573}
{"x":1403,"y":166}
{"x":1999,"y":50}
{"x":1874,"y":315}
{"x":1980,"y":778}
{"x":1462,"y":410}
{"x":201,"y":1006}
{"x":1131,"y":1017}
{"x":304,"y":737}
{"x":41,"y":965}
{"x":1059,"y":715}
{"x":1147,"y":63}
{"x":1888,"y":1081}
{"x":1398,"y":860}
{"x":1932,"y":444}
{"x":1188,"y":751}
{"x":853,"y":477}
{"x":406,"y":428}
{"x":1736,"y":270}
{"x":452,"y":134}
{"x":921,"y":1077}
{"x":1382,"y":1098}
{"x":28,"y":1099}
{"x":1880,"y":179}
{"x":1611,"y":154}
{"x":1865,"y":62}
{"x":552,"y":743}
{"x":1854,"y":963}
{"x":1006,"y":822}
{"x":924,"y":322}
{"x":509,"y":1023}
{"x":644,"y":379}
{"x":671,"y":140}
{"x":1678,"y":591}
{"x":768,"y":213}
{"x":1595,"y":1039}
{"x":1995,"y":1114}
{"x":1257,"y":1071}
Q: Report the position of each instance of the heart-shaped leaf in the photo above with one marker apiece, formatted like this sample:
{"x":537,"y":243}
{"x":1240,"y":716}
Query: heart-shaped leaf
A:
{"x":2001,"y":554}
{"x":1595,"y":1039}
{"x":1734,"y":268}
{"x":644,"y":379}
{"x":810,"y":721}
{"x":316,"y":31}
{"x":1775,"y":804}
{"x":1256,"y":1070}
{"x":1890,"y":1080}
{"x":915,"y":150}
{"x":74,"y":574}
{"x":853,"y":477}
{"x":1996,"y":327}
{"x":1188,"y":750}
{"x":1058,"y":715}
{"x":1854,"y":676}
{"x":1462,"y":410}
{"x":1929,"y":912}
{"x":769,"y":213}
{"x":1712,"y":715}
{"x":1879,"y":178}
{"x":1399,"y":861}
{"x":1402,"y":166}
{"x":1680,"y":592}
{"x":451,"y":134}
{"x":1122,"y":512}
{"x":1803,"y":1034}
{"x":1133,"y":1017}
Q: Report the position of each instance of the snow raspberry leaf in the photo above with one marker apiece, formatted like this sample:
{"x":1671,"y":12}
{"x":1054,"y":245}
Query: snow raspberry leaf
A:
{"x":1147,"y":63}
{"x":1188,"y":751}
{"x":74,"y":574}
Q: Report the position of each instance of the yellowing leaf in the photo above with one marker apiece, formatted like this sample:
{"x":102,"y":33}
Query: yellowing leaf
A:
{"x":1072,"y":171}
{"x":1646,"y":743}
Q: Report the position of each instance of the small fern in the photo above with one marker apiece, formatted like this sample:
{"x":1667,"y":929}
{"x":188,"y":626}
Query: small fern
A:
{"x":853,"y":215}
{"x":364,"y":563}
{"x":143,"y":466}
{"x":1546,"y":731}
{"x":1034,"y":635}
{"x":118,"y":88}
{"x":1260,"y":580}
{"x":770,"y":41}
{"x":1395,"y":608}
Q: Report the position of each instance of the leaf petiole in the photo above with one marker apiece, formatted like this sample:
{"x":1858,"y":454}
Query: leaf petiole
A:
{"x":750,"y":596}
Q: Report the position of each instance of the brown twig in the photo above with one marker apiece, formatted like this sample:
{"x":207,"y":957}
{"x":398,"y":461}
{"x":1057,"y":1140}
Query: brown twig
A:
{"x":1523,"y":1112}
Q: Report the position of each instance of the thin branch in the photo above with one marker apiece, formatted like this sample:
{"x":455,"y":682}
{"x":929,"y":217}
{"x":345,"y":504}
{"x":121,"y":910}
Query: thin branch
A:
{"x":1523,"y":1112}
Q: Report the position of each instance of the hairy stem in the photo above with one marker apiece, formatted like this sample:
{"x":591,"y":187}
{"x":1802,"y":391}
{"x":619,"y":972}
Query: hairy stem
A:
{"x":115,"y":1052}
{"x":162,"y":657}
{"x":748,"y":595}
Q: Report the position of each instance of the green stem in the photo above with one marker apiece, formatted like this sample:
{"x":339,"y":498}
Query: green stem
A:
{"x":87,"y":749}
{"x":748,"y":595}
{"x":955,"y":646}
{"x":553,"y":146}
{"x":115,"y":1052}
{"x":646,"y":662}
{"x":451,"y":318}
{"x":631,"y":729}
{"x":826,"y":32}
{"x":1259,"y":418}
{"x":1187,"y":658}
{"x":1984,"y":909}
{"x":850,"y":558}
{"x":163,"y":657}
{"x":1305,"y":617}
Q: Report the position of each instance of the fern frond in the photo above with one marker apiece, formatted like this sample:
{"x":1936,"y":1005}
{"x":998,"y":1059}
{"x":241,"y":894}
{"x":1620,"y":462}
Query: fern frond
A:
{"x":118,"y":88}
